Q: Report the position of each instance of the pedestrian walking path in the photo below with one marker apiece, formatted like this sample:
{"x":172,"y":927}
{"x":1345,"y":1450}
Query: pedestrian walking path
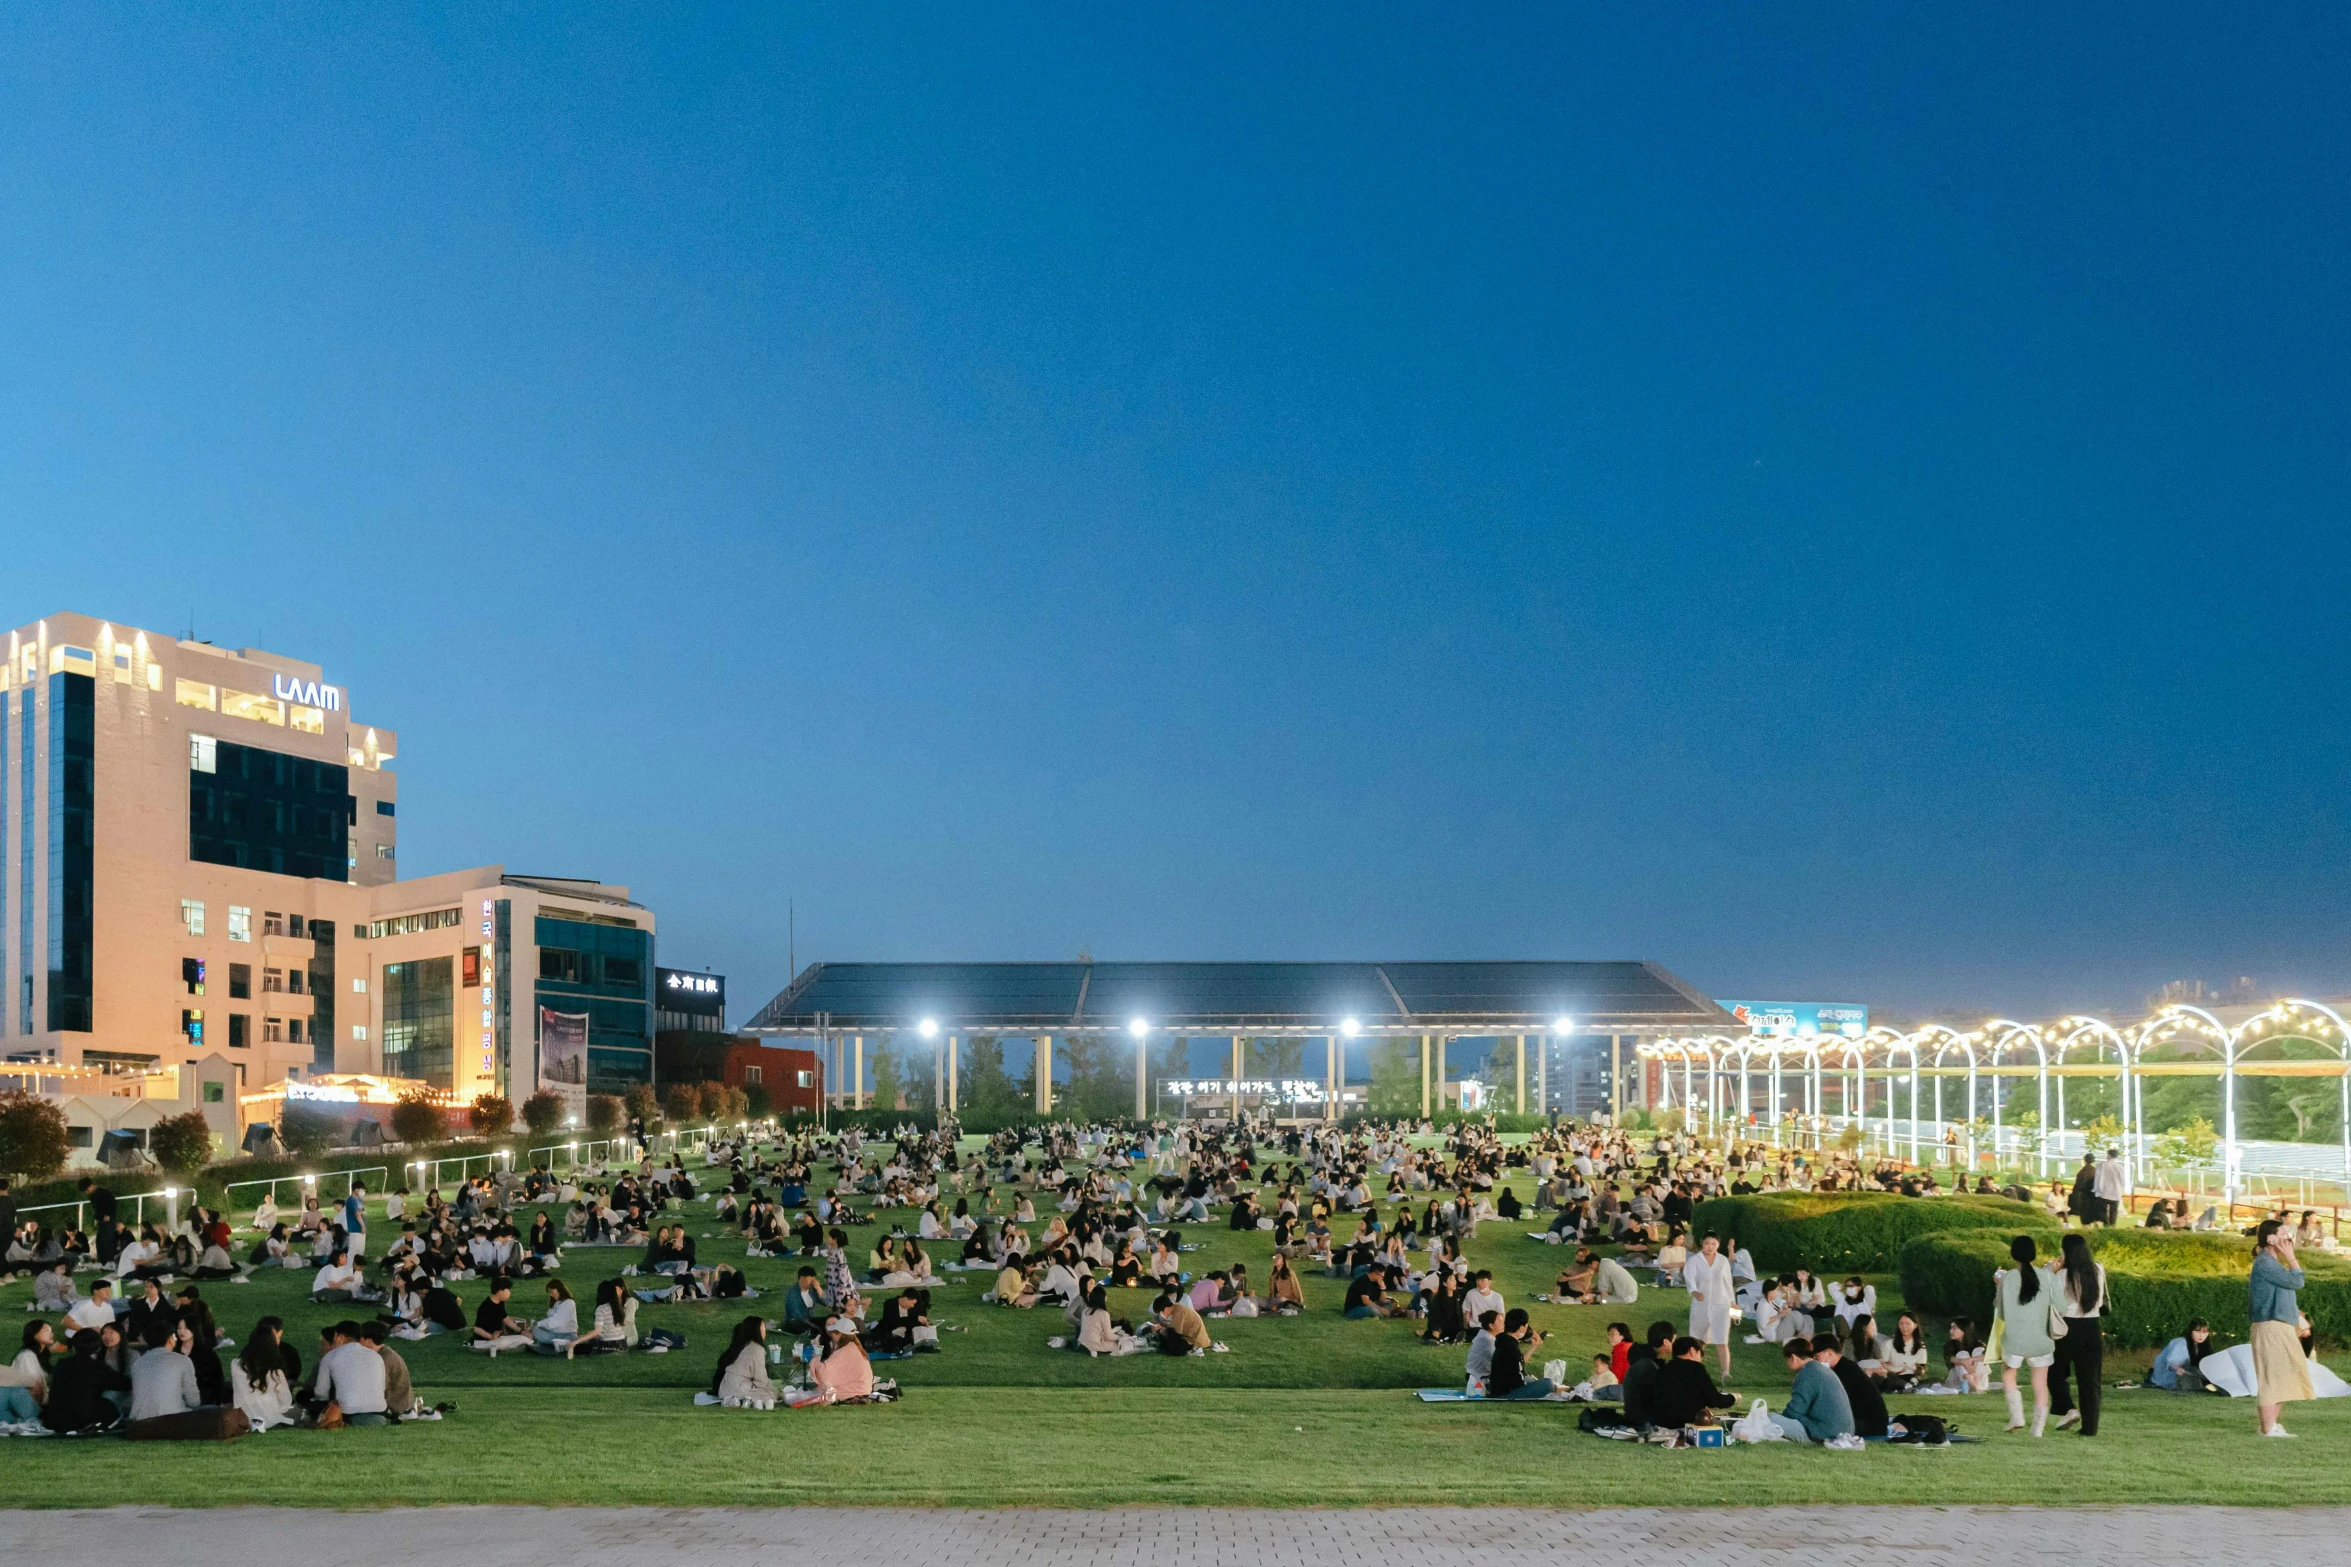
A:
{"x":1183,"y":1537}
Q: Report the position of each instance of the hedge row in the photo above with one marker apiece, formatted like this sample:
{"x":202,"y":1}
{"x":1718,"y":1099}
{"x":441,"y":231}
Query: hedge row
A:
{"x":2155,"y":1282}
{"x":1836,"y":1233}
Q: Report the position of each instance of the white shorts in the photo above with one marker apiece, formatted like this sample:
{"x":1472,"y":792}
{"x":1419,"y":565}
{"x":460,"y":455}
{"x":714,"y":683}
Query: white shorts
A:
{"x":2041,"y":1362}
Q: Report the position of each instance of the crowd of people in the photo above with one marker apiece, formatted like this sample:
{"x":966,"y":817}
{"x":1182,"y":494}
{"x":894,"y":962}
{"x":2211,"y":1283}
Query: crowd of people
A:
{"x":1058,"y":1218}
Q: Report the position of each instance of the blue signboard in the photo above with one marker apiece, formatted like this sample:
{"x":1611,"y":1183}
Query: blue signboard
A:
{"x":1796,"y":1019}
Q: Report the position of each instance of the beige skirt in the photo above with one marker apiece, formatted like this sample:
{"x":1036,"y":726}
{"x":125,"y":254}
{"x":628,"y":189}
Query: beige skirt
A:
{"x":2280,"y":1374}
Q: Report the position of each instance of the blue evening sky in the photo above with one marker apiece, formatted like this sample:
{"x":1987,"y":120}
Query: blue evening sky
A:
{"x":1845,"y":502}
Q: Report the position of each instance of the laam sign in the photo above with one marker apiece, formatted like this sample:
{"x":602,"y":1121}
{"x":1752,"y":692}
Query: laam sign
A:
{"x":309,"y":693}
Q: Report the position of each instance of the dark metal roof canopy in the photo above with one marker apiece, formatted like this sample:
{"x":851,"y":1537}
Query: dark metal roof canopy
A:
{"x":1239,"y":998}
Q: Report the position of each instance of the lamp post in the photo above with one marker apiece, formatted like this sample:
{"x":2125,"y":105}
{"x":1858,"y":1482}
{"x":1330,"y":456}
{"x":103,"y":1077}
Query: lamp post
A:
{"x":1348,"y":1029}
{"x":1141,"y":1029}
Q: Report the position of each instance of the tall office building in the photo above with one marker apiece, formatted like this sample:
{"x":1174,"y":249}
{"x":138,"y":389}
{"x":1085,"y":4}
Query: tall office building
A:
{"x":201,"y":855}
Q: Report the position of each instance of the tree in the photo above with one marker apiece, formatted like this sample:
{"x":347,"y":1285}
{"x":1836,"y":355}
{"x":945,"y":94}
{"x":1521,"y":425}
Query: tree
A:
{"x":683,"y":1103}
{"x":419,"y":1118}
{"x":542,"y":1113}
{"x":984,"y":1094}
{"x":643,"y":1107}
{"x":181,"y":1143}
{"x":33,"y":1136}
{"x":303,"y":1130}
{"x":726,"y":1104}
{"x":885,"y":1079}
{"x":605,"y":1114}
{"x":757,"y":1106}
{"x":491,"y":1115}
{"x":1395,"y":1079}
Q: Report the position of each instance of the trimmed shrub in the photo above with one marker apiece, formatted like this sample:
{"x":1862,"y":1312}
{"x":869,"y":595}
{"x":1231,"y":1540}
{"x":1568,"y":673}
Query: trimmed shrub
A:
{"x":2155,"y":1282}
{"x":490,"y":1115}
{"x":1837,"y":1233}
{"x":419,"y":1118}
{"x":33,"y":1143}
{"x":605,"y":1113}
{"x":543,"y":1113}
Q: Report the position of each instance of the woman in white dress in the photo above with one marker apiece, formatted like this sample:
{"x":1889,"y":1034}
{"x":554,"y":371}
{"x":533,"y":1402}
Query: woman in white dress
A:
{"x":1708,"y":1275}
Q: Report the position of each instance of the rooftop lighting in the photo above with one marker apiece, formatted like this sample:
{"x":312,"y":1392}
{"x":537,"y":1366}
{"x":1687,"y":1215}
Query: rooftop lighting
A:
{"x":928,"y":1028}
{"x":1563,"y":1025}
{"x":1351,"y":1027}
{"x":1138,"y":1027}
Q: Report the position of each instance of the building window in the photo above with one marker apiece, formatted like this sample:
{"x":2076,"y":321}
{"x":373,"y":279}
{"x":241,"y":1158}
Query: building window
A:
{"x":192,"y":916}
{"x":807,"y":1079}
{"x":77,"y":1137}
{"x":384,"y":808}
{"x":260,"y":709}
{"x":420,"y":1020}
{"x":293,"y":1031}
{"x":559,"y":963}
{"x":293,"y":982}
{"x":192,"y":693}
{"x":359,"y":1031}
{"x":215,"y":1093}
{"x":273,"y":979}
{"x":203,"y":754}
{"x":272,"y":923}
{"x":310,"y":720}
{"x":192,"y":1025}
{"x":240,"y":924}
{"x":383,"y":851}
{"x":240,"y":981}
{"x":240,"y":1031}
{"x":411,"y":924}
{"x":359,"y":987}
{"x":192,"y":975}
{"x":753,"y":1077}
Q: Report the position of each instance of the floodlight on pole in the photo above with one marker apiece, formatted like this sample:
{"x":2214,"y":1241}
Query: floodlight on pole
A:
{"x":928,"y":1028}
{"x":1138,"y":1026}
{"x":1563,"y":1025}
{"x":1351,"y":1026}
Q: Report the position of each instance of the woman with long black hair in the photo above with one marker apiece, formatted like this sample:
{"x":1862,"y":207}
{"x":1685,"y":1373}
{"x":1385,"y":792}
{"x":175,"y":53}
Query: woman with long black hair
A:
{"x":262,"y":1385}
{"x":2029,"y":1324}
{"x":2081,"y":1354}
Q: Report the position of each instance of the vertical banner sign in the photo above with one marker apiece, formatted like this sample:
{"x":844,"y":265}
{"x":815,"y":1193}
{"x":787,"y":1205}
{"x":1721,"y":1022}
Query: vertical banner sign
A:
{"x":563,"y":1057}
{"x":489,"y":984}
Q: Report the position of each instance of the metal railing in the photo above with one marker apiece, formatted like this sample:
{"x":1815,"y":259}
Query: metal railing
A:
{"x":465,"y":1163}
{"x":169,"y":1196}
{"x":349,"y":1178}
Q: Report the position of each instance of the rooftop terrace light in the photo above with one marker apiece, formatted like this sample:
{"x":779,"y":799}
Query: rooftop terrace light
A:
{"x":1138,"y":1026}
{"x":928,"y":1028}
{"x":1351,"y":1027}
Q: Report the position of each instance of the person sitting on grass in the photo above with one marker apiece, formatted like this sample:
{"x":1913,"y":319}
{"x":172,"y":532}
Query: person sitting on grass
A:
{"x":1481,"y":1297}
{"x":339,"y":1282}
{"x":399,"y":1391}
{"x":1012,"y":1284}
{"x":1861,"y":1393}
{"x":609,"y":1332}
{"x":1178,"y":1328}
{"x":86,"y":1392}
{"x":1479,"y":1363}
{"x":842,"y":1371}
{"x":1368,"y":1295}
{"x":1685,"y":1390}
{"x":1508,"y":1378}
{"x":1817,"y":1409}
{"x":804,"y":1305}
{"x":259,"y":1384}
{"x":494,"y":1327}
{"x":1604,"y":1386}
{"x":1441,"y":1306}
{"x":2179,"y":1364}
{"x":741,"y":1380}
{"x":1644,"y":1363}
{"x":351,"y":1378}
{"x":1283,"y":1289}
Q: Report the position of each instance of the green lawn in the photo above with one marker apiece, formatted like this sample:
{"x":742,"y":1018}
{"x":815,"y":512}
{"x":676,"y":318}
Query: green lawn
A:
{"x":1308,"y":1410}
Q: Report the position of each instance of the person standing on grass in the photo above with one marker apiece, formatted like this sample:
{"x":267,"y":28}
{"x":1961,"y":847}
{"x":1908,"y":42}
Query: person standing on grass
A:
{"x":2280,"y":1373}
{"x":2027,"y":1316}
{"x":2081,"y":1354}
{"x":1708,"y":1276}
{"x":2113,"y":1186}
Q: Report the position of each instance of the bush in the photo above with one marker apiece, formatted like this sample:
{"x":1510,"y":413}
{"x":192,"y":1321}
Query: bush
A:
{"x":418,"y":1118}
{"x":542,"y":1113}
{"x":182,"y":1143}
{"x":604,"y":1114}
{"x":491,"y":1115}
{"x":757,"y":1106}
{"x":2155,"y":1282}
{"x":1852,"y":1232}
{"x":33,"y":1142}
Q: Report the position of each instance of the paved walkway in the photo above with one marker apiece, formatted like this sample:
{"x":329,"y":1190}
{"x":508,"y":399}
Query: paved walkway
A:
{"x":1180,"y":1537}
